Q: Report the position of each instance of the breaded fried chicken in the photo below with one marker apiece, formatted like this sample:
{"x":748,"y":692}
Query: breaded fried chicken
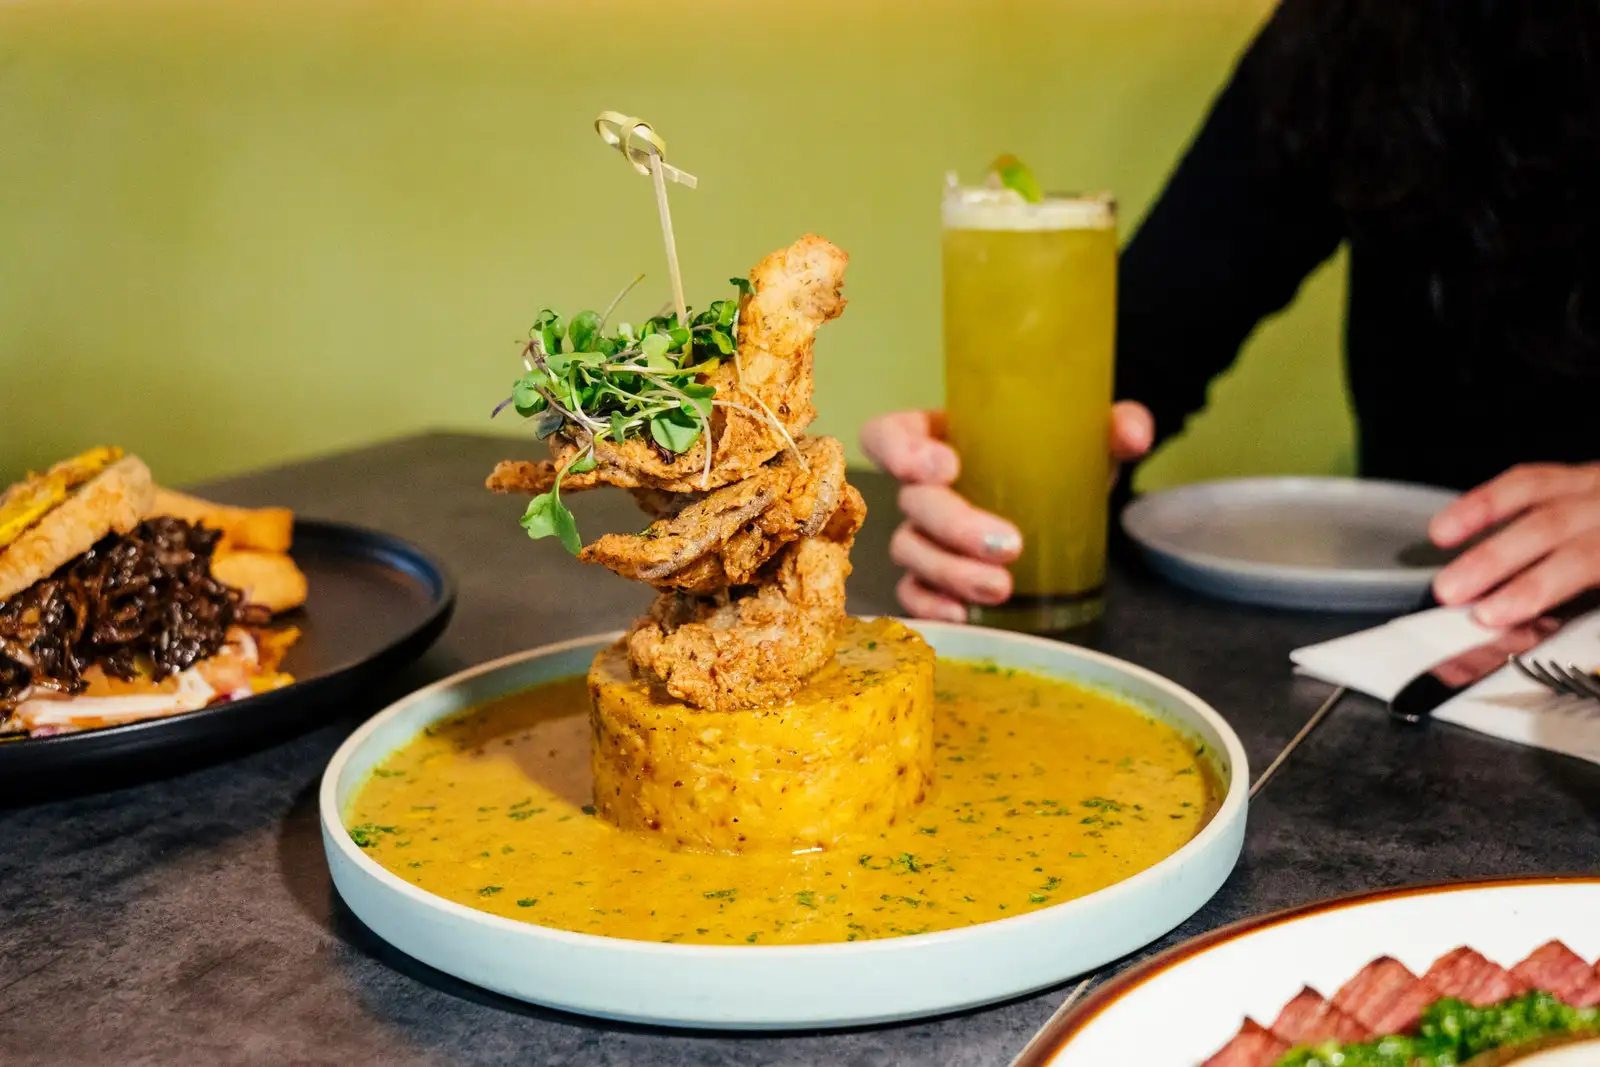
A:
{"x":760,"y":645}
{"x":723,"y":538}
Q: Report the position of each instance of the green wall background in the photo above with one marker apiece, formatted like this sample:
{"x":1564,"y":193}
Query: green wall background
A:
{"x":236,"y":233}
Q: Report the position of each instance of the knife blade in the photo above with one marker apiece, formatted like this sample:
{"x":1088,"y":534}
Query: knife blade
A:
{"x":1419,"y":697}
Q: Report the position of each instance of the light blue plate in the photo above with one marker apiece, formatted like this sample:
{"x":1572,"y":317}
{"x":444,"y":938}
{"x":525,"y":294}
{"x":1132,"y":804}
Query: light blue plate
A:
{"x":795,"y":986}
{"x":1314,"y":544}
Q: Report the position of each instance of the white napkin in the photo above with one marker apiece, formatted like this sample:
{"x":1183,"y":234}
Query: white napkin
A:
{"x":1380,"y":661}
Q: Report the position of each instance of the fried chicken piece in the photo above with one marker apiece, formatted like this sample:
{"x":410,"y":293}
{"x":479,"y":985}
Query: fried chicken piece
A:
{"x":660,"y":504}
{"x":794,"y":291}
{"x":531,"y":477}
{"x":723,"y":538}
{"x":759,"y":647}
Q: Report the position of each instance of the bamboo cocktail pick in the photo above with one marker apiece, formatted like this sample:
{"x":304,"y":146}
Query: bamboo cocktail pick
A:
{"x":642,"y":147}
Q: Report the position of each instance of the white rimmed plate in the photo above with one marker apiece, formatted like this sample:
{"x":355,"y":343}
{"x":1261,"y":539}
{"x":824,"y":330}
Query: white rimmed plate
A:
{"x":1202,"y":990}
{"x":786,"y":986}
{"x":1320,"y":544}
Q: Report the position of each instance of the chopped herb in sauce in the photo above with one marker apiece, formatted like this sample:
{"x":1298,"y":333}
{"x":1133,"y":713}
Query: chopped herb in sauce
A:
{"x":368,"y":834}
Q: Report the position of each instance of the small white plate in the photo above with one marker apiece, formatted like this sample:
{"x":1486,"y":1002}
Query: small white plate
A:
{"x":1199,"y":993}
{"x":1320,"y":544}
{"x":786,"y":986}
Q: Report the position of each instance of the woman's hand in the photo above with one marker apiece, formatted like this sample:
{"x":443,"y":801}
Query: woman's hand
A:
{"x":954,"y":554}
{"x":1548,"y":555}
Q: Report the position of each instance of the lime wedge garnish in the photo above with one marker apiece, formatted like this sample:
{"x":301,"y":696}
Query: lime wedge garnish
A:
{"x":1015,"y":175}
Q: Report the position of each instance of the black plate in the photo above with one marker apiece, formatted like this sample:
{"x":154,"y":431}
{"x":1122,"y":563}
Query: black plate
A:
{"x":375,"y":604}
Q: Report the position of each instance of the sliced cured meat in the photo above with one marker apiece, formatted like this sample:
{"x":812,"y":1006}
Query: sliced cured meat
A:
{"x":1370,"y":995}
{"x":1555,"y":968}
{"x":1466,"y":975}
{"x":1253,"y":1046}
{"x":1310,"y":1019}
{"x":1385,"y":998}
{"x":1402,"y":1014}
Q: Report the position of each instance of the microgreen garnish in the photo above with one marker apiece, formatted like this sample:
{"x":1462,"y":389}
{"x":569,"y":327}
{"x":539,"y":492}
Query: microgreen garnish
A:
{"x":596,"y":384}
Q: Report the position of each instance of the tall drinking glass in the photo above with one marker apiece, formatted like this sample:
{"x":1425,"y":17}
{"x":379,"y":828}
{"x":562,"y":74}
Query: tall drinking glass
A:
{"x":1029,"y":339}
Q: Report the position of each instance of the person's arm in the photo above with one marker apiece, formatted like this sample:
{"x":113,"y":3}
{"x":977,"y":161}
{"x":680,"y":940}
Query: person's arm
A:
{"x":1228,"y":242}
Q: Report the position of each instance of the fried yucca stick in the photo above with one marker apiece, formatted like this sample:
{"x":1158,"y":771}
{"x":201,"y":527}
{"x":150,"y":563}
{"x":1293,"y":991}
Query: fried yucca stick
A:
{"x":259,"y":529}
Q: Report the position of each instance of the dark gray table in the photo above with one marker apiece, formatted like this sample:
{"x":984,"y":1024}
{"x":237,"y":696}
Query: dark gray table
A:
{"x":192,"y":920}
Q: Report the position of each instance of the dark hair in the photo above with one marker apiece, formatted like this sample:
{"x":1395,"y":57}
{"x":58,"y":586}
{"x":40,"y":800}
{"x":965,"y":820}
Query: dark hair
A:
{"x":1471,"y":128}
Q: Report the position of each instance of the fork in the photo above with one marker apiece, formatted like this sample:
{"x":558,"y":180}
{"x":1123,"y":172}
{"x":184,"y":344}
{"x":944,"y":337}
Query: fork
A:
{"x":1568,"y":680}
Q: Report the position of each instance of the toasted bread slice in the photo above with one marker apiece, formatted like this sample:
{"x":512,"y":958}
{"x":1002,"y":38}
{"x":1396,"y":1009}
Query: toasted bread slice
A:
{"x":114,"y":501}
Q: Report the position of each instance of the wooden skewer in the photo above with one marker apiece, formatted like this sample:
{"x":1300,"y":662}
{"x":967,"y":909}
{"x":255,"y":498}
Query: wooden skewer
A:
{"x":1060,"y":1013}
{"x":659,"y":179}
{"x":1294,"y":742}
{"x":645,"y":151}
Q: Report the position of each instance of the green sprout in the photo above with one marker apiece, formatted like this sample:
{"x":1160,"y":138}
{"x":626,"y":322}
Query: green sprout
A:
{"x":593,"y":384}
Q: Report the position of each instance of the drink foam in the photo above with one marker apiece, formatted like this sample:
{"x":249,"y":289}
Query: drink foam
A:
{"x":1003,"y":209}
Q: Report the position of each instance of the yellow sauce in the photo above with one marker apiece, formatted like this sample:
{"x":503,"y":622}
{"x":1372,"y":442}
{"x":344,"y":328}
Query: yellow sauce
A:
{"x":1044,"y":791}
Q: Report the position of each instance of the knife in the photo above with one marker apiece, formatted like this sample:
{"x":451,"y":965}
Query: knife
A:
{"x":1420,"y":696}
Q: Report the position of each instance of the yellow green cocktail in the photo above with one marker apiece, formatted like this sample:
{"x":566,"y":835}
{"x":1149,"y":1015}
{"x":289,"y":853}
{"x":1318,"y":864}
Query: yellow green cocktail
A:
{"x":1029,"y":337}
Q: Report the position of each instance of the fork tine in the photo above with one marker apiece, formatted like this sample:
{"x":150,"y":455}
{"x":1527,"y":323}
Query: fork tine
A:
{"x":1548,"y":678}
{"x":1565,"y":681}
{"x":1584,"y":681}
{"x":1529,"y":673}
{"x":1568,"y":686}
{"x":1558,"y":681}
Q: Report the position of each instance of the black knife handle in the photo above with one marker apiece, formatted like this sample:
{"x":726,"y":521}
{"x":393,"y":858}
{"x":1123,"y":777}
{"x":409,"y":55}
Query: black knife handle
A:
{"x":1415,"y":703}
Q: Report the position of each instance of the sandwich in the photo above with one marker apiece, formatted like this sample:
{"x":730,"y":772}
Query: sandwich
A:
{"x":110,"y":612}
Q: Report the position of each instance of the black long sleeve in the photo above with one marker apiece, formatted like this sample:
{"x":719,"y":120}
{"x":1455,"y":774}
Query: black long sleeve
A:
{"x":1229,"y":242}
{"x":1236,"y":232}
